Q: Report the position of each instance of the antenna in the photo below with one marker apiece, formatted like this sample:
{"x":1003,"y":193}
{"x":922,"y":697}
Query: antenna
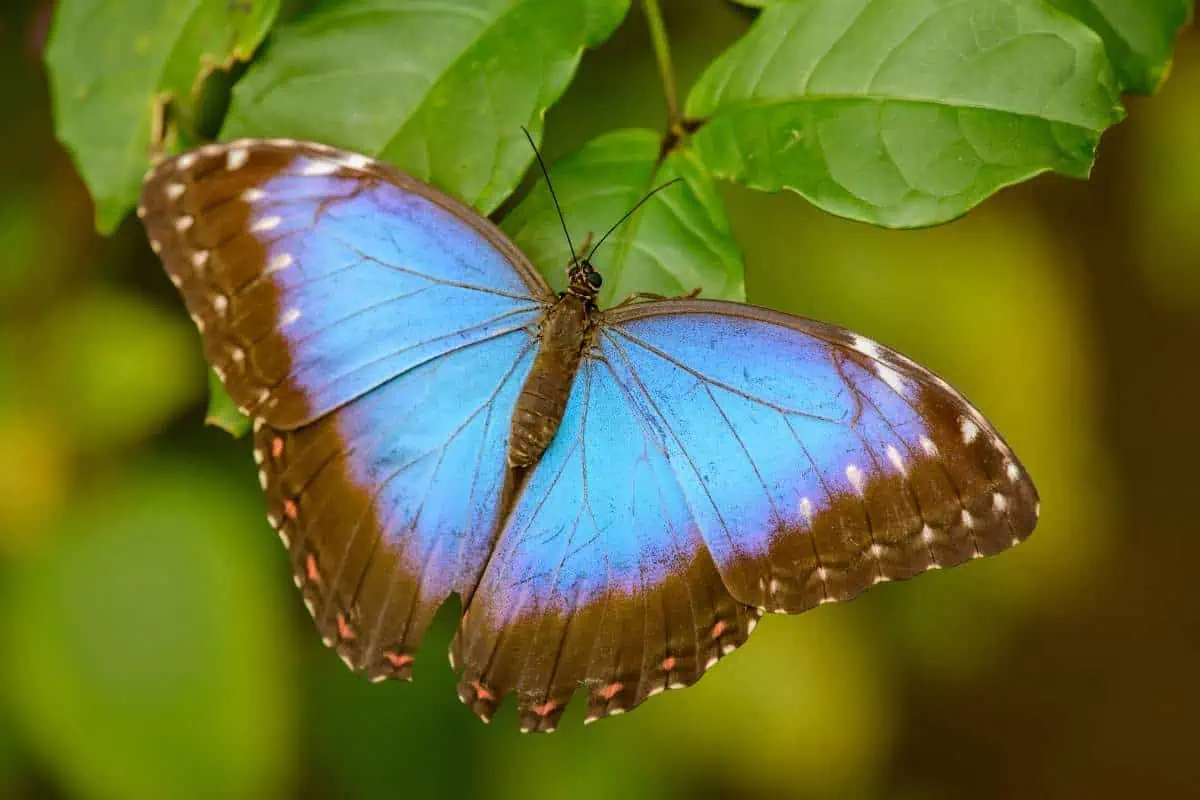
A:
{"x":630,"y":213}
{"x":553,"y":196}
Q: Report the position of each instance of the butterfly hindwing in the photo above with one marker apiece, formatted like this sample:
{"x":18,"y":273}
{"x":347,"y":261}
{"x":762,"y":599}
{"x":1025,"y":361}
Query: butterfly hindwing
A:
{"x":390,"y":504}
{"x":597,"y":580}
{"x":717,"y":461}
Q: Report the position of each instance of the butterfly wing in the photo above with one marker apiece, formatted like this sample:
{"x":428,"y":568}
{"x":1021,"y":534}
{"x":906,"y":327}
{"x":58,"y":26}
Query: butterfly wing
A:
{"x":316,"y":275}
{"x":378,"y":333}
{"x":718,"y":461}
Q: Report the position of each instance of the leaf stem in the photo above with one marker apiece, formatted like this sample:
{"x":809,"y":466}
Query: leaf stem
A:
{"x":662,"y":54}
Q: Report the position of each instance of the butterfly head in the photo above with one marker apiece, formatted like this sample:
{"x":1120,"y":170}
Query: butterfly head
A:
{"x":583,"y":280}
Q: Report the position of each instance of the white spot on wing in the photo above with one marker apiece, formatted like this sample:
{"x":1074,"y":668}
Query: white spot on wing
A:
{"x":175,"y":190}
{"x":266,"y":224}
{"x":199,"y":259}
{"x":220,"y":303}
{"x":892,"y":378}
{"x":1010,"y":469}
{"x":356,"y":161}
{"x":183,"y":223}
{"x":999,"y":502}
{"x":278,"y":262}
{"x":967,"y":520}
{"x":865,"y":346}
{"x":969,"y":429}
{"x":186,"y":161}
{"x":927,"y":535}
{"x":318,"y":168}
{"x":289,"y":316}
{"x":929,"y":447}
{"x":855,"y":476}
{"x":806,"y":508}
{"x":897,"y":460}
{"x":236,"y":158}
{"x":253,"y":195}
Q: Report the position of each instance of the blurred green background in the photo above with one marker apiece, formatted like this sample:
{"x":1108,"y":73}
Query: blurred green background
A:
{"x":153,"y":644}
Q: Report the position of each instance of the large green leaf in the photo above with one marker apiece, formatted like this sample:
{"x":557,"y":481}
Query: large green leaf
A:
{"x":111,"y":66}
{"x":1140,"y":35}
{"x":439,"y":87}
{"x":678,"y":241}
{"x":904,"y":112}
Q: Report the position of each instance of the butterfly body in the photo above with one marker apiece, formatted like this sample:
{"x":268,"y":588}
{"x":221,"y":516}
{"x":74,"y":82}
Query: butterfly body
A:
{"x":617,"y":495}
{"x":565,"y":335}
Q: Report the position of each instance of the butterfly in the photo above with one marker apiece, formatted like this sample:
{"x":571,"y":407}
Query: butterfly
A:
{"x":617,"y":496}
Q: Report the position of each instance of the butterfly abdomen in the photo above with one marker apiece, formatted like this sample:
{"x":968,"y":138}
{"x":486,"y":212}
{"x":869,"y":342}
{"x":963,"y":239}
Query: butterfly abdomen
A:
{"x":543,"y":398}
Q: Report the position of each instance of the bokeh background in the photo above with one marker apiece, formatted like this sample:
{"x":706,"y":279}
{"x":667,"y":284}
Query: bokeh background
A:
{"x":152,"y":644}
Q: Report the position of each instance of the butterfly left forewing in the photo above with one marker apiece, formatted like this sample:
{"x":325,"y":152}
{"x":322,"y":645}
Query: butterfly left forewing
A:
{"x":315,"y":275}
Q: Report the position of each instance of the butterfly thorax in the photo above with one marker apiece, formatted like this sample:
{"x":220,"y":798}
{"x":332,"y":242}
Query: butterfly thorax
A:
{"x":565,"y":333}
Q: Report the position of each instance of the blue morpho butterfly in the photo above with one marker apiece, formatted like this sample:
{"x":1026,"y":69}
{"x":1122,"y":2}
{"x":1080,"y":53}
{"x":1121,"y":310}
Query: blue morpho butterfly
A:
{"x":617,"y":495}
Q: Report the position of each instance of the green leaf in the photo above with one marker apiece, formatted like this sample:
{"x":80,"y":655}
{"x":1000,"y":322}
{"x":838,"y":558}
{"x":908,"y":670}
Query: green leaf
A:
{"x":439,"y":87}
{"x":223,"y":413}
{"x":1140,"y":35}
{"x":677,"y":241}
{"x":112,"y":65}
{"x":904,"y":112}
{"x":153,"y":643}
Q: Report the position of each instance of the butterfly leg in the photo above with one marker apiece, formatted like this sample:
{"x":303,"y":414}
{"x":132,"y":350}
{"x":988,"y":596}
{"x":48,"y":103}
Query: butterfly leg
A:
{"x":637,"y":296}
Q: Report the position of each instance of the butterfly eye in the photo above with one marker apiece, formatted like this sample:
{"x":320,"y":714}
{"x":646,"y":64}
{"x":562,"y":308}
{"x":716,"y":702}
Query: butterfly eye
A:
{"x":595,"y":280}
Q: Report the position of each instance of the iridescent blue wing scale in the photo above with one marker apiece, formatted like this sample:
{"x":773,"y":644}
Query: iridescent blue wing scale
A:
{"x":378,"y":332}
{"x":717,"y":461}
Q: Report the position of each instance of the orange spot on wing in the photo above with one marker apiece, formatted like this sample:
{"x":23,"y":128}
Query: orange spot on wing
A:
{"x":545,"y":708}
{"x":310,"y":568}
{"x":718,"y":629}
{"x":481,"y":691}
{"x":289,"y":509}
{"x":610,"y":691}
{"x":397,"y":660}
{"x":669,"y":663}
{"x":344,"y":629}
{"x":276,"y":447}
